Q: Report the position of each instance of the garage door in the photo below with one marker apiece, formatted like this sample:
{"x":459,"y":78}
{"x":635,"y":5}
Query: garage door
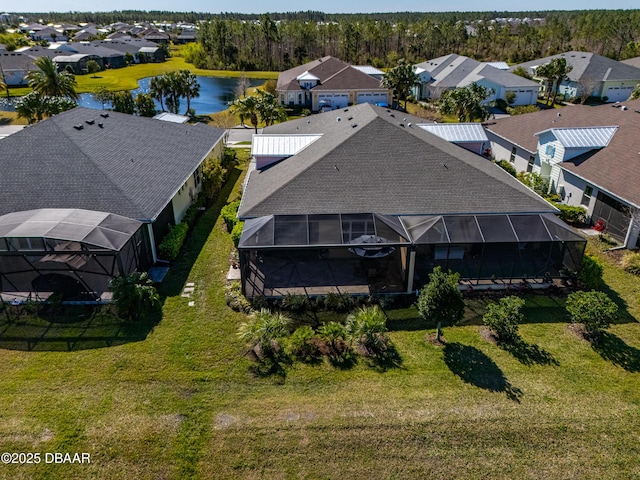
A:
{"x":333,"y":100}
{"x":372,"y":97}
{"x":618,"y":94}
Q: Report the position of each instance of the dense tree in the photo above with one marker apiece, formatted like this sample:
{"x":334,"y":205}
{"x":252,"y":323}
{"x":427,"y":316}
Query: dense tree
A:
{"x":93,"y":67}
{"x":47,"y":81}
{"x":440,"y":300}
{"x":145,"y":106}
{"x":401,"y":80}
{"x":553,"y":74}
{"x":35,"y":107}
{"x":466,"y":103}
{"x":123,"y":102}
{"x":102,"y":95}
{"x":636,"y":93}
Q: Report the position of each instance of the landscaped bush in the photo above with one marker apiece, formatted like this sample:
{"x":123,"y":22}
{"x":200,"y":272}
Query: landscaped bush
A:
{"x":303,"y":345}
{"x":335,"y":342}
{"x":503,"y":318}
{"x":440,"y":300}
{"x":574,"y":215}
{"x":506,"y":166}
{"x":172,"y":242}
{"x":234,"y":298}
{"x":522,"y":109}
{"x":368,"y":328}
{"x":591,"y":273}
{"x":594,"y":310}
{"x":534,"y":181}
{"x":338,"y":302}
{"x":229,"y":214}
{"x":631,"y":263}
{"x":295,"y":303}
{"x":236,"y":233}
{"x":134,"y":295}
{"x":264,"y":331}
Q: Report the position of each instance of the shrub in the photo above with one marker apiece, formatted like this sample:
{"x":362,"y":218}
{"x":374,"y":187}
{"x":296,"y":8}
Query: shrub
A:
{"x":631,"y":263}
{"x":503,"y":318}
{"x":134,"y":295}
{"x":335,"y":340}
{"x":591,"y":273}
{"x":522,"y":109}
{"x":534,"y":182}
{"x":338,"y":302}
{"x":295,"y":303}
{"x":303,"y":345}
{"x":574,"y":215}
{"x":212,"y":177}
{"x":234,"y":298}
{"x":236,"y":233}
{"x":229,"y":214}
{"x":440,"y":300}
{"x":368,"y":327}
{"x":172,"y":242}
{"x":594,"y":310}
{"x":264,"y":331}
{"x":190,"y":215}
{"x":507,"y":167}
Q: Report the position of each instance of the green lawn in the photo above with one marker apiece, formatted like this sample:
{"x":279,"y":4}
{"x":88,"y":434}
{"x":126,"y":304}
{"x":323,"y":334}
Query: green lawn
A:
{"x":175,"y":399}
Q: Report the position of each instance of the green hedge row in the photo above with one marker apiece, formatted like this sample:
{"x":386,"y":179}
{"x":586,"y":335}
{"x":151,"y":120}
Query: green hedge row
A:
{"x":172,"y":241}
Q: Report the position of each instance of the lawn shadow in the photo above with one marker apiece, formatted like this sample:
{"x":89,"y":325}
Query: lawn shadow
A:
{"x":180,"y":268}
{"x":385,"y":359}
{"x":529,"y":353}
{"x":71,"y":328}
{"x":617,"y":351}
{"x":623,"y":312}
{"x":474,"y":367}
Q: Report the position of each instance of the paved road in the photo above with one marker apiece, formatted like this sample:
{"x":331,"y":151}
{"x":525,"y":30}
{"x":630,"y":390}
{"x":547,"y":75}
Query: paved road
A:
{"x":241,"y":134}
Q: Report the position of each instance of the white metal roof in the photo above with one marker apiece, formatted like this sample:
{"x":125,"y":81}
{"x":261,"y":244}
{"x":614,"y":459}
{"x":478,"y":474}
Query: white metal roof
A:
{"x":171,"y":117}
{"x":368,"y":69}
{"x":498,"y":65}
{"x":307,"y":76}
{"x":280,"y":145}
{"x":583,"y":137}
{"x":457,"y":132}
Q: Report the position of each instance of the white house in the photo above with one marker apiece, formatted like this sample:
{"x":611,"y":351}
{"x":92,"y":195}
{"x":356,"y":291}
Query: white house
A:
{"x":599,"y":76}
{"x":456,"y":71}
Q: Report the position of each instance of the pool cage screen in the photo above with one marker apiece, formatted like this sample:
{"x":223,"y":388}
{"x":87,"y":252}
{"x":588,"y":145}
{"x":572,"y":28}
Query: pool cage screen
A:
{"x":481,"y":248}
{"x":69,"y":252}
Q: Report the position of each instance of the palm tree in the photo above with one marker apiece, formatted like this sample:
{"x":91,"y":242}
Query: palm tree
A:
{"x":158,"y":89}
{"x":190,"y":87}
{"x":247,"y":107}
{"x":401,"y":80}
{"x":268,"y":108}
{"x":49,"y":82}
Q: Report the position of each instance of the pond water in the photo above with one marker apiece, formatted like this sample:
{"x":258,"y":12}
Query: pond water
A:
{"x":215,"y":95}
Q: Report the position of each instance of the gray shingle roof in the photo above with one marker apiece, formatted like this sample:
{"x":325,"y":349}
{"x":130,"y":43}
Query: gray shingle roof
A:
{"x":131,"y":166}
{"x":368,"y":162}
{"x":613,"y":168}
{"x":588,"y":65}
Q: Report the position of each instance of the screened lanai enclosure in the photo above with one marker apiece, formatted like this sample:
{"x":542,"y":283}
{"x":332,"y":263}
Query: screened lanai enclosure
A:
{"x":374,"y":254}
{"x":70,"y":253}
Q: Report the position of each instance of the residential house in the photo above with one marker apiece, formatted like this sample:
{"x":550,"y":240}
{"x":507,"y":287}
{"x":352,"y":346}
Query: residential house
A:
{"x":48,"y":34}
{"x":455,"y":71}
{"x":15,"y":66}
{"x":77,"y":62}
{"x":592,"y":75}
{"x":329,"y":83}
{"x":137,"y":174}
{"x":588,"y":154}
{"x":186,"y":36}
{"x":364,"y":201}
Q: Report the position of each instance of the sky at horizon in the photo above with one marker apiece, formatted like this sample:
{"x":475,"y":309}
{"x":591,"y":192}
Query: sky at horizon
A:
{"x":327,"y":6}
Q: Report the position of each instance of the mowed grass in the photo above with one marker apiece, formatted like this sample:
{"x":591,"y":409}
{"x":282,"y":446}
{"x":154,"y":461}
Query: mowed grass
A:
{"x":182,"y":403}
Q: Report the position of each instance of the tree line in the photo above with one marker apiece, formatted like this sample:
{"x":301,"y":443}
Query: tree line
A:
{"x":270,"y":44}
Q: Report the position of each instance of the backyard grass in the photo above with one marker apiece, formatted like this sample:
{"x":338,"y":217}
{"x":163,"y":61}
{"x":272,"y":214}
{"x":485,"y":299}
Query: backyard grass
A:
{"x":175,"y":398}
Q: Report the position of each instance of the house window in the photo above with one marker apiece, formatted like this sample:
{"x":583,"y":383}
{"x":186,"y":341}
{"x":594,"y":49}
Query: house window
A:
{"x":300,"y":98}
{"x":512,"y":158}
{"x":586,"y":196}
{"x":550,"y":150}
{"x":532,"y":160}
{"x":196,"y":177}
{"x":354,"y":226}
